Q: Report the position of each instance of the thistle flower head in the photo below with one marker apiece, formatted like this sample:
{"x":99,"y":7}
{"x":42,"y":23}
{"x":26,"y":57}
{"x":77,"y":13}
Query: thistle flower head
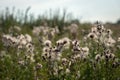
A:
{"x":98,"y":57}
{"x":47,"y":43}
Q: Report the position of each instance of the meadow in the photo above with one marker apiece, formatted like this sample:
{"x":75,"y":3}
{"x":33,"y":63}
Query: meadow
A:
{"x":57,"y":47}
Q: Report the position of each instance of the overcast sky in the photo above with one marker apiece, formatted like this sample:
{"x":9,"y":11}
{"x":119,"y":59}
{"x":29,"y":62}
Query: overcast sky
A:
{"x":86,"y":10}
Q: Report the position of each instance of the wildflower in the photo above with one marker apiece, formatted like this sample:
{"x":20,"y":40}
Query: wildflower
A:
{"x":110,"y":56}
{"x":115,"y":64}
{"x":36,"y":31}
{"x":28,"y":38}
{"x":29,"y":47}
{"x":56,"y":30}
{"x":45,"y":55}
{"x":73,"y":30}
{"x":6,"y":39}
{"x":67,"y":71}
{"x":85,"y":50}
{"x":84,"y":57}
{"x":76,"y":49}
{"x":77,"y":56}
{"x":20,"y":37}
{"x":21,"y":62}
{"x":23,"y":42}
{"x":100,"y":27}
{"x":94,"y":30}
{"x":59,"y":42}
{"x":118,"y":39}
{"x":75,"y":43}
{"x":92,"y":36}
{"x":109,"y":42}
{"x":58,"y":57}
{"x":97,"y":57}
{"x":66,"y":42}
{"x":31,"y":57}
{"x":64,"y":61}
{"x":47,"y":43}
{"x":109,"y":32}
{"x":38,"y":66}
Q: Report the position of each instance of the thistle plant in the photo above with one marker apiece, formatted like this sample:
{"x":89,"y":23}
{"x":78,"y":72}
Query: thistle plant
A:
{"x":46,"y":55}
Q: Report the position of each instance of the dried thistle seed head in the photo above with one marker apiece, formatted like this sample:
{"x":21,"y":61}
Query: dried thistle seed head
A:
{"x":85,"y":51}
{"x":97,"y":57}
{"x":64,"y":61}
{"x":76,"y":49}
{"x":67,"y":71}
{"x":49,"y":57}
{"x":75,"y":43}
{"x":118,"y":39}
{"x":109,"y":41}
{"x":107,"y":51}
{"x":38,"y":66}
{"x":99,"y":28}
{"x":92,"y":36}
{"x":93,"y":29}
{"x":84,"y":58}
{"x":28,"y":38}
{"x":64,"y":42}
{"x":47,"y":43}
{"x":21,"y":62}
{"x":115,"y":64}
{"x":43,"y":57}
{"x":46,"y":49}
{"x":112,"y":56}
{"x":109,"y":32}
{"x":107,"y":56}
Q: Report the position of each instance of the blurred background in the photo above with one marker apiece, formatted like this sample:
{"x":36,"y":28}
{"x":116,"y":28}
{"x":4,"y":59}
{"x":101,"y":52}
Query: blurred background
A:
{"x":59,"y":13}
{"x":84,"y":10}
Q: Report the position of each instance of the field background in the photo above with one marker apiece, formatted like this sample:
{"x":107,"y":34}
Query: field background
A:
{"x":11,"y":70}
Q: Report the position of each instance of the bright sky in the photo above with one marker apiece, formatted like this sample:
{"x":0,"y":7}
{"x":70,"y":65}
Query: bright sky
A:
{"x":86,"y":10}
